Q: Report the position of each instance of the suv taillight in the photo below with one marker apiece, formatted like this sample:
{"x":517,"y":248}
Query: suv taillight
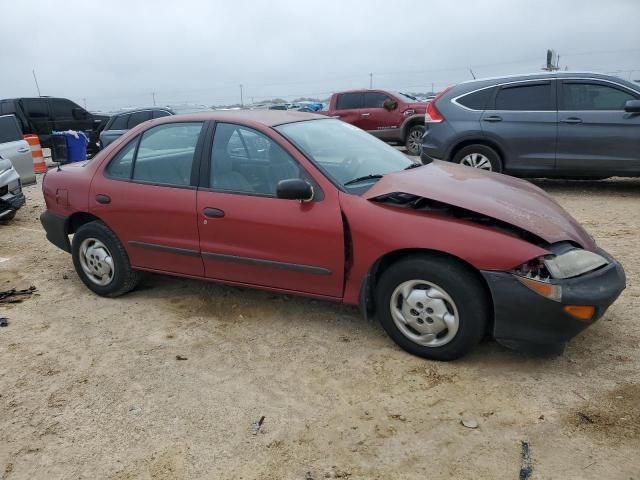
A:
{"x":433,"y":114}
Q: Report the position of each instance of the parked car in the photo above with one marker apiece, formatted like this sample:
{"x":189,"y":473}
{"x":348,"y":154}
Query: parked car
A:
{"x":542,"y":125}
{"x":299,"y":203}
{"x":121,"y":122}
{"x":390,"y":116}
{"x":15,"y":148}
{"x":11,"y":196}
{"x":43,"y":115}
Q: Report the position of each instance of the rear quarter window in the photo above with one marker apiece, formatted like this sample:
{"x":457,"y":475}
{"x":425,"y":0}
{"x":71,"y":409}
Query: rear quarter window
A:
{"x":477,"y":100}
{"x":118,"y":123}
{"x":9,"y":130}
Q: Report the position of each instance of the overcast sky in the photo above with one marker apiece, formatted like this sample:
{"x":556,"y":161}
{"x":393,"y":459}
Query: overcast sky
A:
{"x":116,"y":53}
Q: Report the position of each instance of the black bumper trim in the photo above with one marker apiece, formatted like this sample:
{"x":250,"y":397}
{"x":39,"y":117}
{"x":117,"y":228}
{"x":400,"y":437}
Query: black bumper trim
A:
{"x":56,"y":228}
{"x":523,"y":316}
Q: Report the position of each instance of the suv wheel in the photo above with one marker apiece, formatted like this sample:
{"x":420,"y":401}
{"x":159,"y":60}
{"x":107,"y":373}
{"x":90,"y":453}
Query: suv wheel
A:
{"x":479,"y":156}
{"x":413,"y":142}
{"x":432,"y":307}
{"x":101,"y":261}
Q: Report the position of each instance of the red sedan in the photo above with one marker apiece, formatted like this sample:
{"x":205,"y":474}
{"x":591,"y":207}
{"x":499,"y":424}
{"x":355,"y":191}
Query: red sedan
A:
{"x":294,"y":202}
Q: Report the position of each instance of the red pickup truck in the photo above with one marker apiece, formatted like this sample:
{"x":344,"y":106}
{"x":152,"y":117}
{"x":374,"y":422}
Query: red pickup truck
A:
{"x":390,"y":116}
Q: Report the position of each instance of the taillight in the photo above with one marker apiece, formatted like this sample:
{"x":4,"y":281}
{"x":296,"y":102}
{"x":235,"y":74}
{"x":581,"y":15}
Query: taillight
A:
{"x":433,"y":114}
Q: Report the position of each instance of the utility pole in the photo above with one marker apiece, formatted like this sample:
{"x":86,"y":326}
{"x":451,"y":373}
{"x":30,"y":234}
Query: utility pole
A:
{"x":371,"y":80}
{"x":432,"y":90}
{"x":241,"y":98}
{"x":85,"y":103}
{"x":36,"y":80}
{"x":153,"y":95}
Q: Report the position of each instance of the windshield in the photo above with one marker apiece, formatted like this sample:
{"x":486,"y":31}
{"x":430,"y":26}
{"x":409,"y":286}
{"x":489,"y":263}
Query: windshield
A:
{"x":405,"y":97}
{"x":351,"y":157}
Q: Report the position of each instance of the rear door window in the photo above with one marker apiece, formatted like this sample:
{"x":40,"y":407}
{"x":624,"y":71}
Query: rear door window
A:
{"x":166,"y":153}
{"x":36,"y":107}
{"x":160,"y":113}
{"x":592,"y":96}
{"x":9,"y":130}
{"x":137,"y":118}
{"x":119,"y":123}
{"x":347,"y":101}
{"x":526,"y":97}
{"x":477,"y":100}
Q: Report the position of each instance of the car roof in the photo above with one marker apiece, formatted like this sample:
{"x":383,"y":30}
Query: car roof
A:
{"x":538,"y":75}
{"x":268,"y":118}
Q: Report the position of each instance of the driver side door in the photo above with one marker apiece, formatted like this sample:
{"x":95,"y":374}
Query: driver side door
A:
{"x":248,"y":235}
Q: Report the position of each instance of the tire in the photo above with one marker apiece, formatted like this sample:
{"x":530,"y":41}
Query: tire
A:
{"x":100,"y":244}
{"x":464,"y":299}
{"x":479,"y":156}
{"x":8,"y":218}
{"x":413,"y":140}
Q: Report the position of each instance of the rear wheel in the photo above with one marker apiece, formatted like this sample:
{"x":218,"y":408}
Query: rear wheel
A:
{"x":101,"y":261}
{"x":8,"y":217}
{"x":480,"y":157}
{"x":413,"y":141}
{"x":432,"y":307}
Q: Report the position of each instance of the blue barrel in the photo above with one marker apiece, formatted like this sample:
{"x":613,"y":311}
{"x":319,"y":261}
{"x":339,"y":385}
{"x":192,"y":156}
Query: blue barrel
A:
{"x":76,"y":146}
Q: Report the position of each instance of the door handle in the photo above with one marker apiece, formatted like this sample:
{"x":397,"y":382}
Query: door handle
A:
{"x":493,"y":118}
{"x":104,"y":199}
{"x":213,"y":212}
{"x":24,"y":149}
{"x":365,"y":114}
{"x":572,"y":120}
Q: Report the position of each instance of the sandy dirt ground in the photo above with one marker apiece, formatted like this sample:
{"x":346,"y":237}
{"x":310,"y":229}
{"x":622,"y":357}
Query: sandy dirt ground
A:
{"x":92,"y":388}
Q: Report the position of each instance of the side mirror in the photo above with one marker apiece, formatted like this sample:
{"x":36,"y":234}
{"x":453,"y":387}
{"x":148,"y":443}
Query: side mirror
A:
{"x":390,"y":105}
{"x":79,"y":114}
{"x":632,"y":106}
{"x":295,"y":189}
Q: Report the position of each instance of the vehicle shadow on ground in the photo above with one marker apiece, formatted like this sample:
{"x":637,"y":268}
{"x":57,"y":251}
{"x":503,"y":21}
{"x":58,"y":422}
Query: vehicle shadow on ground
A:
{"x":225,"y":304}
{"x":611,"y":186}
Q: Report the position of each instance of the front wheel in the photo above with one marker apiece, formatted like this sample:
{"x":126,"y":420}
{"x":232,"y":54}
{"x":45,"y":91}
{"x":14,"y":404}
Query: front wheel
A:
{"x":101,"y":261}
{"x":413,"y":142}
{"x":432,"y":307}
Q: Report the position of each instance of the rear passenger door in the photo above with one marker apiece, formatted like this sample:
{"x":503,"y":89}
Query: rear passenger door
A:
{"x":350,"y":108}
{"x":147,"y":195}
{"x":522,"y":120}
{"x":595,"y":135}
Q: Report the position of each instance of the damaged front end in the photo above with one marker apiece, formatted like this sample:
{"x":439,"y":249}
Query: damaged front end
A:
{"x":416,"y":202}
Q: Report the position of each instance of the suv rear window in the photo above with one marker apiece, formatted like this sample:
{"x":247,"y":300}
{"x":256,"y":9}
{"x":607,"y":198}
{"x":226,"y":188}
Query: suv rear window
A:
{"x":119,"y":123}
{"x":477,"y":100}
{"x":529,"y":97}
{"x":350,"y":100}
{"x":9,"y":130}
{"x":137,"y":118}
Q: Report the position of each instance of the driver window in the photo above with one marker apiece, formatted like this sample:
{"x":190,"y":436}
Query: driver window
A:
{"x":247,"y":161}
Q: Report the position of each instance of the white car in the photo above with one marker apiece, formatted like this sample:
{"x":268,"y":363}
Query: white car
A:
{"x":15,"y":148}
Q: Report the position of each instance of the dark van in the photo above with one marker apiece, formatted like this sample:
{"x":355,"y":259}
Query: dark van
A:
{"x":43,"y":115}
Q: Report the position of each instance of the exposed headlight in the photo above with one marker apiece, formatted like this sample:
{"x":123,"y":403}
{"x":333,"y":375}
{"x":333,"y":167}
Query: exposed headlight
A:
{"x":573,"y":263}
{"x":539,"y":273}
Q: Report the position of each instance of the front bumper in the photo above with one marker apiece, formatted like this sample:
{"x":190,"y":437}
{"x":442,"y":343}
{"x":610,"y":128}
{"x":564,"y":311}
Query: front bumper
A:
{"x":523,"y":318}
{"x":56,"y":228}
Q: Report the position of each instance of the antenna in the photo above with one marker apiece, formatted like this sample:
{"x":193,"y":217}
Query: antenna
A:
{"x":472,"y":74}
{"x":35,"y":79}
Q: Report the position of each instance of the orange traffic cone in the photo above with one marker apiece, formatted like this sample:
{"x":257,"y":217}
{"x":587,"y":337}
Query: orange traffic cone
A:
{"x":39,"y":165}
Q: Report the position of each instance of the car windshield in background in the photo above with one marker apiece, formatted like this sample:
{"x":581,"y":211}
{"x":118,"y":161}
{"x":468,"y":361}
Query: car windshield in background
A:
{"x":406,"y":98}
{"x":349,"y":156}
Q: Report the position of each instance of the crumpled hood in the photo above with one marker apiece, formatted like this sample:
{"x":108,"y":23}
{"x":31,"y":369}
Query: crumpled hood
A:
{"x":508,"y":199}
